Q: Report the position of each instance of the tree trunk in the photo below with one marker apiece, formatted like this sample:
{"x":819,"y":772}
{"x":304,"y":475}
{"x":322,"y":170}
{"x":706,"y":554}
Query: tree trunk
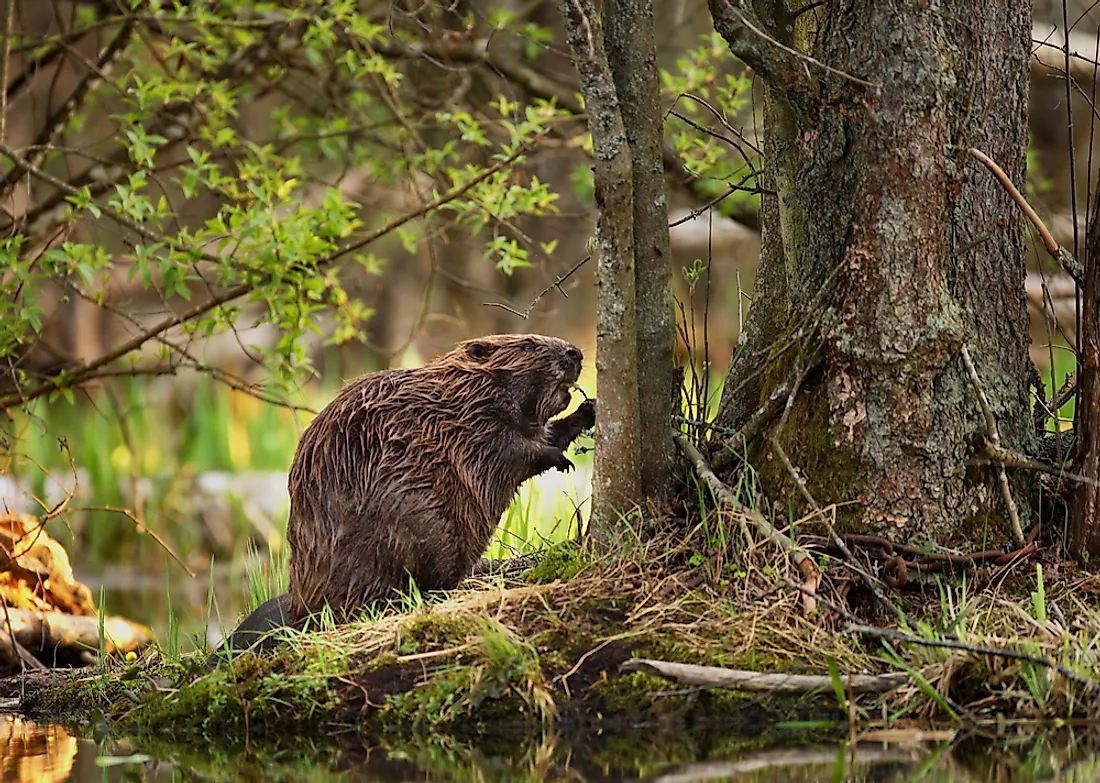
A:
{"x":616,"y":481}
{"x":632,"y":56}
{"x":1084,"y":524}
{"x":887,"y":249}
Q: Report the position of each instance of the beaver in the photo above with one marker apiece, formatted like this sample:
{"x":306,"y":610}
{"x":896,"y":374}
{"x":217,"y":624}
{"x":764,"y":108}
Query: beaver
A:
{"x":406,"y":473}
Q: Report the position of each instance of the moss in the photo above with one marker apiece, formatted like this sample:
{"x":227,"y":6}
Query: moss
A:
{"x":833,"y":473}
{"x":561,"y":561}
{"x":380,"y":662}
{"x":115,"y":690}
{"x":629,"y":696}
{"x":501,"y":678}
{"x":435,"y":631}
{"x":250,"y":695}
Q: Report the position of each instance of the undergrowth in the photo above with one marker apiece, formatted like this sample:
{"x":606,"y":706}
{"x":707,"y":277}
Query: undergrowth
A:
{"x":546,"y":651}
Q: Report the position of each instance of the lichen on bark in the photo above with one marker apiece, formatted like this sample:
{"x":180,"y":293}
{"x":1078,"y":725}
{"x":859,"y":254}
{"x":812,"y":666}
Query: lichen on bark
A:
{"x":885,"y":245}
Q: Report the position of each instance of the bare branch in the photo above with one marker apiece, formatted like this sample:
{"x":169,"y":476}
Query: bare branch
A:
{"x":779,"y":64}
{"x":995,"y":439}
{"x":1062,"y":256}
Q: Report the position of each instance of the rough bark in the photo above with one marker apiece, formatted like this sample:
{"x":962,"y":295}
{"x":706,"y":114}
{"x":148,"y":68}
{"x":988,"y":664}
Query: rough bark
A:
{"x":616,"y":481}
{"x":632,"y":56}
{"x":884,"y":238}
{"x":1084,"y":526}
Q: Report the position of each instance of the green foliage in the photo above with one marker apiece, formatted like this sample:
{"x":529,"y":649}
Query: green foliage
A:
{"x":208,"y":178}
{"x":274,"y":236}
{"x":709,"y":91}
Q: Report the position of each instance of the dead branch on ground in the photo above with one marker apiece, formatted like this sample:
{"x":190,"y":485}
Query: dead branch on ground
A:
{"x":757,"y":682}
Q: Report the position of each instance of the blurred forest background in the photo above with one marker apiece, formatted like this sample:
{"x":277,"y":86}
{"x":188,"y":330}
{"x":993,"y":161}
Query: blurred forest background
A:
{"x":213,"y":214}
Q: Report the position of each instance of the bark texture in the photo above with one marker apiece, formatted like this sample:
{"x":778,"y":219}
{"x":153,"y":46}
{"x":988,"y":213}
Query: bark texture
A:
{"x":1084,"y":530}
{"x":616,"y":482}
{"x":632,"y":56}
{"x":882,"y":233}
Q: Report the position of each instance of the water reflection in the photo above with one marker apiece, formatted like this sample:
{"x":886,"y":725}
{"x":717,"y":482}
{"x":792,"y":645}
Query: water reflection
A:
{"x":34,"y":752}
{"x":31,"y":752}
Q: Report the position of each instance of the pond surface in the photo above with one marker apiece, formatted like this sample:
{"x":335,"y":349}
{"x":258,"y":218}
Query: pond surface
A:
{"x":35,"y":752}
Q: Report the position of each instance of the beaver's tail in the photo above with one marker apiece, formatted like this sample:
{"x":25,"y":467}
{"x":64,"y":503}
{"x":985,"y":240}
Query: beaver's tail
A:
{"x":257,"y":631}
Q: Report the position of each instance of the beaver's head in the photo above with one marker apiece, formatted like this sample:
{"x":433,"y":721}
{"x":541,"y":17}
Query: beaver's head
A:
{"x":537,"y":371}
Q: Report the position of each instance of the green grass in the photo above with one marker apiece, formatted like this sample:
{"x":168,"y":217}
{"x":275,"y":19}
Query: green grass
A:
{"x":1065,"y":362}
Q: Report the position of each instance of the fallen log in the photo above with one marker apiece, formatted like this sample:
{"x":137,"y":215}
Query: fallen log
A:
{"x":47,"y":632}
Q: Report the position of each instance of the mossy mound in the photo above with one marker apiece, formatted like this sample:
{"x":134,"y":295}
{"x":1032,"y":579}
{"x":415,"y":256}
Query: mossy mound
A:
{"x":527,"y":659}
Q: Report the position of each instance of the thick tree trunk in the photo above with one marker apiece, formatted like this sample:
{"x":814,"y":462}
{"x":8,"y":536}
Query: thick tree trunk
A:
{"x":894,"y":249}
{"x":616,"y":481}
{"x":632,"y":56}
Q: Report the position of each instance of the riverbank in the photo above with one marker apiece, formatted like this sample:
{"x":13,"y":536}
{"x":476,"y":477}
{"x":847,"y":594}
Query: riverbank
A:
{"x":549,"y":652}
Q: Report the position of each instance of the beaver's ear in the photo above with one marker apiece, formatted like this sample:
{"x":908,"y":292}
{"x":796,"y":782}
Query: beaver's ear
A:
{"x":478,"y":350}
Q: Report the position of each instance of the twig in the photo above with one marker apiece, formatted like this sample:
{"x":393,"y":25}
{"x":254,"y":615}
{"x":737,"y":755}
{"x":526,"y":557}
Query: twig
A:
{"x":810,"y":573}
{"x":141,"y":529}
{"x":4,"y":71}
{"x":800,"y":484}
{"x":1060,"y":398}
{"x":999,"y":455}
{"x":16,"y":651}
{"x":855,"y":625}
{"x":754,"y":425}
{"x":241,"y":289}
{"x":556,"y":284}
{"x":760,"y":682}
{"x":806,"y":58}
{"x":995,"y":439}
{"x":1060,"y":255}
{"x":1000,"y":652}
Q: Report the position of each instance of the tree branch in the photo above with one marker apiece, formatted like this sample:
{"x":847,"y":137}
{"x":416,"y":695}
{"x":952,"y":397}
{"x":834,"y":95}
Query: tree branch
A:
{"x":237,"y":291}
{"x":783,"y":67}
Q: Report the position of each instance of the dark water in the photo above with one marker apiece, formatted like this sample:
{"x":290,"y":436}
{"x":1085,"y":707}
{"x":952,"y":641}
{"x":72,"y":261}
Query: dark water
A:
{"x":33,"y":752}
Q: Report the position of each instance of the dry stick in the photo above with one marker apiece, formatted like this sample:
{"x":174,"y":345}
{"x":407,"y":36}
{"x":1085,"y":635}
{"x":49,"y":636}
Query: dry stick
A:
{"x":805,"y":57}
{"x":758,"y":682}
{"x":800,"y":483}
{"x":855,"y":625}
{"x":1060,"y":398}
{"x":4,"y":71}
{"x":734,"y":445}
{"x":1060,"y":255}
{"x":1050,"y":324}
{"x":21,"y":653}
{"x":805,"y":563}
{"x":999,"y":455}
{"x":995,"y":439}
{"x":556,"y":284}
{"x":240,"y":290}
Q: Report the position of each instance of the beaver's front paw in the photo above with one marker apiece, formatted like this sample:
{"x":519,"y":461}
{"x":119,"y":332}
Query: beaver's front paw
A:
{"x":553,"y":457}
{"x":586,"y":414}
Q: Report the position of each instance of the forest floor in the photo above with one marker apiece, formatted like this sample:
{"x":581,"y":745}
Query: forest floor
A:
{"x":580,"y":640}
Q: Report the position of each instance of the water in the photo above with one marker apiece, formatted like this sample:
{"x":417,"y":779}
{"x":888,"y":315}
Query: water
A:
{"x":34,"y":752}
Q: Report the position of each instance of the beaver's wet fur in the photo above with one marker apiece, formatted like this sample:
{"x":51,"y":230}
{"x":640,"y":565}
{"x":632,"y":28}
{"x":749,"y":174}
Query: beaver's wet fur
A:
{"x":407,"y":473}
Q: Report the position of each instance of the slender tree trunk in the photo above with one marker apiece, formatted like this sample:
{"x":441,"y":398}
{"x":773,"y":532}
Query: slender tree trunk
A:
{"x":616,"y":483}
{"x":886,"y":249}
{"x":632,"y":55}
{"x":1084,"y":529}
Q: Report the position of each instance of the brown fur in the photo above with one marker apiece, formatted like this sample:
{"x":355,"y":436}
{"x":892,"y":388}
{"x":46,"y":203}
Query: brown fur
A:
{"x":407,"y":472}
